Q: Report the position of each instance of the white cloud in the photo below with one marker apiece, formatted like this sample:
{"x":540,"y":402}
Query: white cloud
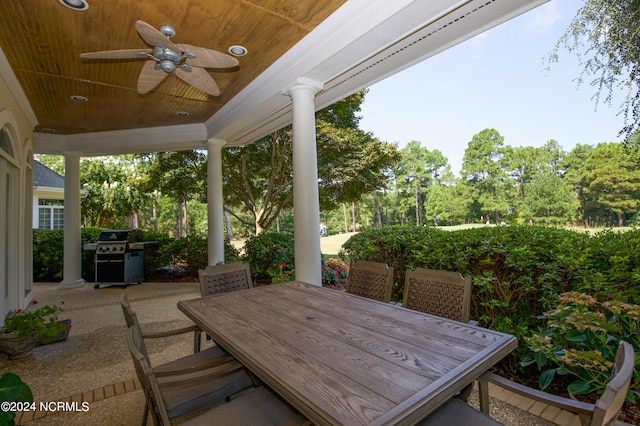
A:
{"x":542,"y":18}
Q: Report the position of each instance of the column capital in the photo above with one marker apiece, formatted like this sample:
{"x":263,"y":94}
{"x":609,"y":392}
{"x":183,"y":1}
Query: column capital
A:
{"x":216,"y":142}
{"x":304,"y":84}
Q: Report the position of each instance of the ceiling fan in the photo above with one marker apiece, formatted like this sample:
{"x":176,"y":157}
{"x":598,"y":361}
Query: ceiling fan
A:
{"x":186,"y":61}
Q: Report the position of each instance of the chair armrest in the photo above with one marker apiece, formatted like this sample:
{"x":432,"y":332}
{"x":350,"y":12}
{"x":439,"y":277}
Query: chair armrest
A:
{"x":574,"y":406}
{"x":168,"y":333}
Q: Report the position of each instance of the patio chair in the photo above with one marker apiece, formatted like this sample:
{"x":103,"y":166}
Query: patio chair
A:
{"x":371,"y":280}
{"x":256,"y":406}
{"x":603,"y":412}
{"x":224,"y":278}
{"x":196,"y":368}
{"x":131,"y":319}
{"x":443,"y":293}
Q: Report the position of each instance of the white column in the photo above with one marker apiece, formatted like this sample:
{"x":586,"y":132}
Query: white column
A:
{"x":215,"y":202}
{"x":306,"y":202}
{"x":72,"y":276}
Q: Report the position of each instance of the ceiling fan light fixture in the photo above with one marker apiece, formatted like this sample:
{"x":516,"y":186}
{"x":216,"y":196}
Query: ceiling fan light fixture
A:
{"x":167,"y":65}
{"x":75,"y":4}
{"x":237,"y":50}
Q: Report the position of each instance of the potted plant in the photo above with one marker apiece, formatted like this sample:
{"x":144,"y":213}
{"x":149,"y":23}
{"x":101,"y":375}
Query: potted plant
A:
{"x":26,"y":328}
{"x":12,"y":389}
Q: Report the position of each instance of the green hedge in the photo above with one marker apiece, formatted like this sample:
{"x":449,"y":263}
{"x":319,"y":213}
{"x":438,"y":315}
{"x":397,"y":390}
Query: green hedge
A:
{"x":518,"y":272}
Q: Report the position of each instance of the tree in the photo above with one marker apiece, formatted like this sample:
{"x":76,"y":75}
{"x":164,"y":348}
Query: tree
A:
{"x":416,"y":172}
{"x":351,"y":162}
{"x":182,"y":177}
{"x":550,"y":200}
{"x":613,"y":178}
{"x":482,"y":168}
{"x":605,"y":35}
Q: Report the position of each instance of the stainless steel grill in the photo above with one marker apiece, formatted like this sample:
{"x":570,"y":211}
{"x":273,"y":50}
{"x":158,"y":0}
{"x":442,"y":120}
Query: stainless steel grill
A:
{"x":119,"y":257}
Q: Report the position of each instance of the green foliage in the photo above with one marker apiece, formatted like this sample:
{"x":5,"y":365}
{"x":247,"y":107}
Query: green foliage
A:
{"x":265,"y":252}
{"x":284,"y":273}
{"x":335,"y":272}
{"x":580,"y":339}
{"x":12,"y":389}
{"x":517,"y":271}
{"x":42,"y":320}
{"x":259,"y":177}
{"x":48,"y":254}
{"x":191,"y":252}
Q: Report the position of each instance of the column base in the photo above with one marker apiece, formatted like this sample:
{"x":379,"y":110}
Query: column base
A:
{"x":72,"y":284}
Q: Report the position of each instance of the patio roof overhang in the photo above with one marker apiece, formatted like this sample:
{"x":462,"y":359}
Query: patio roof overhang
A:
{"x":361,"y":43}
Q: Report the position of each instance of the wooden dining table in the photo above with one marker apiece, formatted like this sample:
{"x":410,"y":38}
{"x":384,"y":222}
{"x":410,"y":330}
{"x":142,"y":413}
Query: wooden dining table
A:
{"x":342,"y":359}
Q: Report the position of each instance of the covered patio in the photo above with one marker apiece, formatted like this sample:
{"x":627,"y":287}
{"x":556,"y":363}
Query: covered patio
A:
{"x":302,"y":56}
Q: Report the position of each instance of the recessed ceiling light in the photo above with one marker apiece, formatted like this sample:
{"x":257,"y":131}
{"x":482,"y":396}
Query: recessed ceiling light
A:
{"x":183,"y":113}
{"x":79,"y":98}
{"x":75,"y":4}
{"x":238,"y":50}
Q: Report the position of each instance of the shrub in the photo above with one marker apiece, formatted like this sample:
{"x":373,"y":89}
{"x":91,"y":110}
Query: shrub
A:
{"x":334,"y":273}
{"x":580,"y":339}
{"x":191,"y":252}
{"x":265,"y":252}
{"x":48,"y":254}
{"x":518,"y":272}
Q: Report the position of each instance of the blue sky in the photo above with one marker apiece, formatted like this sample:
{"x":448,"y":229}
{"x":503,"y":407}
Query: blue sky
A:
{"x":496,"y":80}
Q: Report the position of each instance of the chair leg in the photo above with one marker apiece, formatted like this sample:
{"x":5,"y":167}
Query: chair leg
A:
{"x":145,"y":416}
{"x":196,"y":341}
{"x":483,"y":395}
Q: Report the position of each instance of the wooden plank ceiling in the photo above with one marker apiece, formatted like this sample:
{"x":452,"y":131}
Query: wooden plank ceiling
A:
{"x":42,"y":40}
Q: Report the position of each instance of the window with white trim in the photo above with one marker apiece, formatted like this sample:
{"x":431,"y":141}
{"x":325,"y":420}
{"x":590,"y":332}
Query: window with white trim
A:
{"x":50,"y":214}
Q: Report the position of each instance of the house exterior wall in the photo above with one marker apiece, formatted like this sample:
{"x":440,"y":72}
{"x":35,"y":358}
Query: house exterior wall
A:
{"x":16,"y":181}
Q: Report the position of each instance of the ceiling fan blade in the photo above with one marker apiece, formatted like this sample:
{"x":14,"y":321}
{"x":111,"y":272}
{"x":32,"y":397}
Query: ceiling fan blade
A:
{"x":208,"y":58}
{"x":150,"y":77}
{"x":117,"y":54}
{"x":200,"y":79}
{"x":153,"y":37}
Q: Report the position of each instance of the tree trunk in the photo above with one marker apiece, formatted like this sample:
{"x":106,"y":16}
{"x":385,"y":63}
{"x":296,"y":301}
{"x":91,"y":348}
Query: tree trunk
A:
{"x":419,"y":218}
{"x":227,"y":218}
{"x":620,"y":220}
{"x":179,"y":222}
{"x":353,"y":215}
{"x":378,"y":213}
{"x":346,"y":219}
{"x":154,"y":215}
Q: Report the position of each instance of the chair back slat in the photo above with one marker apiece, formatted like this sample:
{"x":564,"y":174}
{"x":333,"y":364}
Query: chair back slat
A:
{"x":443,"y":293}
{"x":371,"y":280}
{"x":224,"y":278}
{"x":608,"y":406}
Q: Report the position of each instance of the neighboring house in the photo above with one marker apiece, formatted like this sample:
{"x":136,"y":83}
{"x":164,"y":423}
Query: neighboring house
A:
{"x":48,"y":198}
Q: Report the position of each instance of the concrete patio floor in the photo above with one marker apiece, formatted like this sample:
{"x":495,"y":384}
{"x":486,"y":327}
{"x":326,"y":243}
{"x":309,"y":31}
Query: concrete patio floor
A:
{"x":93,"y":365}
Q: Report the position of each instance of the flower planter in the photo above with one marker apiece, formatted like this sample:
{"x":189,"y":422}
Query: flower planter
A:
{"x":17,"y":347}
{"x":63,"y":335}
